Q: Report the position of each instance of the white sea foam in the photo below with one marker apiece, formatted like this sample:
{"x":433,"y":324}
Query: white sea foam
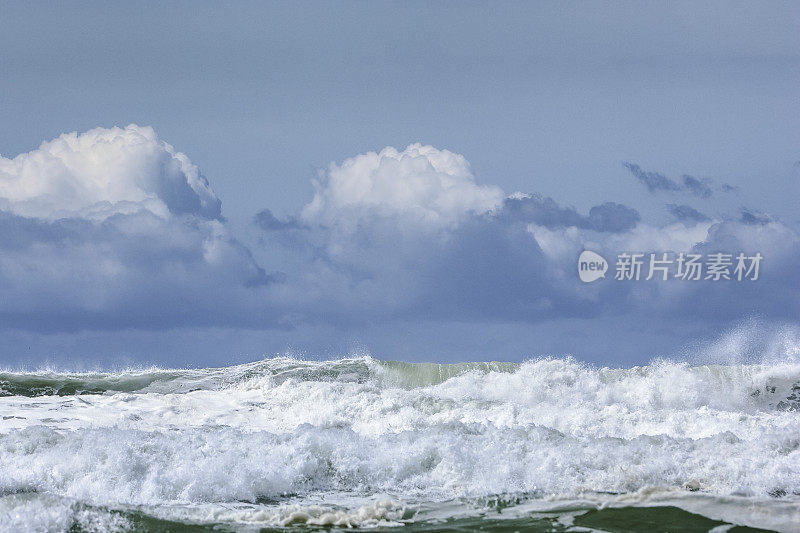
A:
{"x":278,"y":433}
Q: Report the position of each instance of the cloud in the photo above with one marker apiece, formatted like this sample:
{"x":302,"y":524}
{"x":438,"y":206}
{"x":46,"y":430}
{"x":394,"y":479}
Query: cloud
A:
{"x":370,"y":257}
{"x":775,"y":295}
{"x":265,"y":220}
{"x":652,"y":180}
{"x":754,"y":218}
{"x":614,"y":218}
{"x":420,"y":184}
{"x":104,"y":172}
{"x":699,"y":188}
{"x":546,"y":212}
{"x":686,"y":214}
{"x":656,"y":182}
{"x":114,"y":229}
{"x":540,"y":211}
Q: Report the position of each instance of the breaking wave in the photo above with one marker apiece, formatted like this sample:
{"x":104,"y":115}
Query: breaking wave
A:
{"x":364,"y":442}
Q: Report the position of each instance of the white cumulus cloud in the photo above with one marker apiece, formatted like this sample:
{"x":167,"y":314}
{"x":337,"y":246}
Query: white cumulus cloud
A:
{"x":419,"y":184}
{"x":103,"y":172}
{"x":114,"y":228}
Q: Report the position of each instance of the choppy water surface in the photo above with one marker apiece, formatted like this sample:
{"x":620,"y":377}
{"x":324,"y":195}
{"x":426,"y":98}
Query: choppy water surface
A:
{"x":549,"y":444}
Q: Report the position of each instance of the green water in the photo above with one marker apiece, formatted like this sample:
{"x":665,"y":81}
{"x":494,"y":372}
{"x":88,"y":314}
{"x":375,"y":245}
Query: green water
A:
{"x":615,"y":520}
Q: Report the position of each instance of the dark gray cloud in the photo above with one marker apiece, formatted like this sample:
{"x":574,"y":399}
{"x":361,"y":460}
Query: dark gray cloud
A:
{"x":127,"y":271}
{"x":686,"y":213}
{"x":656,"y":182}
{"x":699,"y":188}
{"x":652,"y":180}
{"x":608,"y":217}
{"x":541,"y":211}
{"x":267,"y":221}
{"x":489,"y":269}
{"x":754,"y":218}
{"x":775,"y":295}
{"x":499,"y":266}
{"x":613,"y":217}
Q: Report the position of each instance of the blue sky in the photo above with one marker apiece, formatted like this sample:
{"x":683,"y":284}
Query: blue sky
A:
{"x":557,"y":100}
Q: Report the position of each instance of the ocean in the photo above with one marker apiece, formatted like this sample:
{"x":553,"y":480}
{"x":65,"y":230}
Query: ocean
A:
{"x":290,"y":445}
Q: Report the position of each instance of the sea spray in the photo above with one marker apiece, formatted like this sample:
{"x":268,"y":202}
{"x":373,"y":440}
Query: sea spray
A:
{"x":285,"y":441}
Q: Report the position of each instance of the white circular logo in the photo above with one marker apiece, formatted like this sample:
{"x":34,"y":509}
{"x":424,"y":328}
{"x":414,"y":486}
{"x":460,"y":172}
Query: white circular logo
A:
{"x":591,"y":266}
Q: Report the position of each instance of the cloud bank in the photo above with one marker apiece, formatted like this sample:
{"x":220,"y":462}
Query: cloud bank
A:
{"x":405,"y":235}
{"x":113,"y":229}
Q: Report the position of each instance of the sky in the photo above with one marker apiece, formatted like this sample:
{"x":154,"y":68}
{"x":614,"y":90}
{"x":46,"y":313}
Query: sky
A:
{"x":197,"y":184}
